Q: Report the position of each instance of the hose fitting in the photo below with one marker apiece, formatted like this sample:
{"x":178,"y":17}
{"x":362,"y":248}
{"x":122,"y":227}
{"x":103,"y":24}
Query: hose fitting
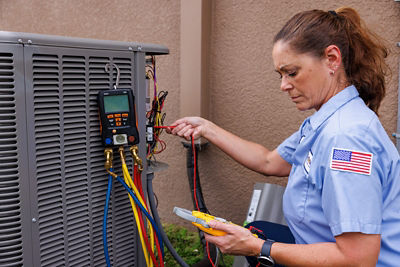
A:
{"x":108,"y":153}
{"x":122,"y":154}
{"x":135,"y":155}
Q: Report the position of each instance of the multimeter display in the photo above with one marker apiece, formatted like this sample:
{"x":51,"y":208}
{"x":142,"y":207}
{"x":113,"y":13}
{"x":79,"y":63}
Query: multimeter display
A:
{"x":117,"y":117}
{"x":116,"y":103}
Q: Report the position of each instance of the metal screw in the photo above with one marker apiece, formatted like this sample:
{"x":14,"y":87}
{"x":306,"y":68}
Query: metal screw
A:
{"x":130,"y":48}
{"x":20,"y":41}
{"x":139,"y":48}
{"x":29,"y":41}
{"x":34,"y":220}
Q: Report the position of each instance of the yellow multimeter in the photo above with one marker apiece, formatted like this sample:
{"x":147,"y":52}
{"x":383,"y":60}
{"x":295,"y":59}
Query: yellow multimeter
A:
{"x":201,"y":220}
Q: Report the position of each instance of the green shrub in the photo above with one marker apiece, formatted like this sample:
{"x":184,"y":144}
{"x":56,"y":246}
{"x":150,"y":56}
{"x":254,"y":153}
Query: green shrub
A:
{"x":187,"y":244}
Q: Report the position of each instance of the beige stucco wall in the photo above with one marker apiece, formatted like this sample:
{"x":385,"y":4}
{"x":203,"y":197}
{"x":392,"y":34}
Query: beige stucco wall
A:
{"x":244,"y":95}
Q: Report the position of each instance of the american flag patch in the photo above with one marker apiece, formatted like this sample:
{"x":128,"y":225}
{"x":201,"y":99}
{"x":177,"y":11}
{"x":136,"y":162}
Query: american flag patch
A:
{"x":351,"y":161}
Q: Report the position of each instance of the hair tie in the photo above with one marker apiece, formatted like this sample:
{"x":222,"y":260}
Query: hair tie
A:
{"x":333,"y":13}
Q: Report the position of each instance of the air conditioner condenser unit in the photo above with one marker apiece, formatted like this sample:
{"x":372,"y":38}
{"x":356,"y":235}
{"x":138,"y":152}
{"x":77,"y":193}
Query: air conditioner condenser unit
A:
{"x":52,"y":178}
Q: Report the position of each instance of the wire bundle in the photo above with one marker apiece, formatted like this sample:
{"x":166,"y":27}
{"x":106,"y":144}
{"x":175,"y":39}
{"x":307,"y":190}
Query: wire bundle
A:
{"x":155,"y":117}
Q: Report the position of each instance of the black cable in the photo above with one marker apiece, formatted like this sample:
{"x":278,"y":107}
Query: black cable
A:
{"x":190,"y":173}
{"x":222,"y":260}
{"x":156,"y":198}
{"x":205,"y":262}
{"x":156,"y":217}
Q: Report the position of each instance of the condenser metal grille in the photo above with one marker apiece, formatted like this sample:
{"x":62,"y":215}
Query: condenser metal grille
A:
{"x":69,"y":157}
{"x":10,"y":212}
{"x":98,"y":80}
{"x":46,"y":102}
{"x":75,"y":160}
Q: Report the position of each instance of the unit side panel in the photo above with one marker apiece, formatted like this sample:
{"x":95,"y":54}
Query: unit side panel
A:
{"x":69,"y":182}
{"x":15,"y":231}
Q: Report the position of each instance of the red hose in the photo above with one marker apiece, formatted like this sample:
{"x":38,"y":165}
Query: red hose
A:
{"x":138,"y":183}
{"x":146,"y":238}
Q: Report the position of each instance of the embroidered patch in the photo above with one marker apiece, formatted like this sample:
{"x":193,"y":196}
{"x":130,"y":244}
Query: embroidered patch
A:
{"x":351,"y":161}
{"x":307,"y":163}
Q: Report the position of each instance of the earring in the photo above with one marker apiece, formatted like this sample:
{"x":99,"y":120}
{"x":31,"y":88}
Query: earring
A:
{"x":331,"y":72}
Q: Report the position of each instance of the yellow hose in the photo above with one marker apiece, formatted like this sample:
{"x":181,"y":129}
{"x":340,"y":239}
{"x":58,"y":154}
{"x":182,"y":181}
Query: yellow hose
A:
{"x":151,"y":236}
{"x":126,"y":173}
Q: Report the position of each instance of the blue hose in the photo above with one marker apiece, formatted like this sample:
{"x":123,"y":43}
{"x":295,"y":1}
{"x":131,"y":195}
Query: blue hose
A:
{"x":145,"y":213}
{"x":107,"y":257}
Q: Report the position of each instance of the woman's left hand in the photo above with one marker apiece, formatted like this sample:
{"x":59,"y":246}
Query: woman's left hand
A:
{"x":237,"y":241}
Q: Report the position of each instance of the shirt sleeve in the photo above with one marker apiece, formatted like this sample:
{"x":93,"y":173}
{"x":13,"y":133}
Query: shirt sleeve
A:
{"x":288,"y":147}
{"x":351,"y":201}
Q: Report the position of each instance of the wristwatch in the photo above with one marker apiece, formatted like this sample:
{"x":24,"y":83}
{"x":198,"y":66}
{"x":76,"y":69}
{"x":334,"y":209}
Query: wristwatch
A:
{"x":265,"y":258}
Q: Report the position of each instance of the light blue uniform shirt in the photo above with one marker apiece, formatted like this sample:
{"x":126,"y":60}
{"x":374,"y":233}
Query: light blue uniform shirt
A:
{"x":321,"y":202}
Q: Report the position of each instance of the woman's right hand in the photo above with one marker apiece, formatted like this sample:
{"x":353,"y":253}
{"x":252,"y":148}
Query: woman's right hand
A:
{"x":251,"y":155}
{"x":188,"y":126}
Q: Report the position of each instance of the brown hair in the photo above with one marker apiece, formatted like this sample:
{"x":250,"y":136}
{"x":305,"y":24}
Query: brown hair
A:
{"x":363,"y":52}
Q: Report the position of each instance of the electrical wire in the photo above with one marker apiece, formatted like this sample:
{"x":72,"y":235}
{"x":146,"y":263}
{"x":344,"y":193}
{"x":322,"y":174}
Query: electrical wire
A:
{"x":105,"y":246}
{"x":194,"y":174}
{"x":195,"y":194}
{"x":209,"y":256}
{"x":164,"y":127}
{"x":162,"y":144}
{"x":155,"y":117}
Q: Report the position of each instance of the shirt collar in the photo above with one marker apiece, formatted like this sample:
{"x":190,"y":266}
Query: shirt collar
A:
{"x":332,"y":105}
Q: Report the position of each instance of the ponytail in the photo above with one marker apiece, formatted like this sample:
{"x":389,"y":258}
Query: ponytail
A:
{"x":363,"y":52}
{"x":366,"y":67}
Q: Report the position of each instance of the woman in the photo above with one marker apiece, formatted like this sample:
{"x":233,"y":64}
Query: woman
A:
{"x":342,"y":200}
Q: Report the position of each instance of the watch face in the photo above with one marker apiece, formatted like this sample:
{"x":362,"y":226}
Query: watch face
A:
{"x":266,"y":261}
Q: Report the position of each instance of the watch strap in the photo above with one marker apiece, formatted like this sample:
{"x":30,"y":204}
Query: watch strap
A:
{"x":266,"y":248}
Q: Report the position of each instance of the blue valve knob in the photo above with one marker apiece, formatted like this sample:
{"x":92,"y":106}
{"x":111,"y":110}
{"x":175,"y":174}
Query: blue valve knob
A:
{"x":108,"y":141}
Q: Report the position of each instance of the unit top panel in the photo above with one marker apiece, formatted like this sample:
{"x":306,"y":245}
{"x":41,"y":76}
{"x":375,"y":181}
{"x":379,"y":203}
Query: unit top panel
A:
{"x":64,"y":41}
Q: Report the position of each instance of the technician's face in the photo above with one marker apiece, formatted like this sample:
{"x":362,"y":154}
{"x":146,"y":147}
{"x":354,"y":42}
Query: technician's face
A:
{"x":303,"y":77}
